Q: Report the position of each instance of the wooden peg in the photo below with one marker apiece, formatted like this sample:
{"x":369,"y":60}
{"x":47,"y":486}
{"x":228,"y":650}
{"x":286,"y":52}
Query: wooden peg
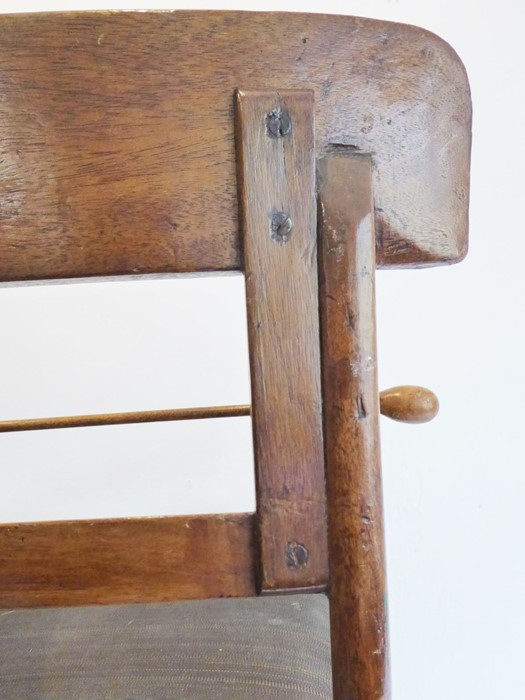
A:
{"x":409,"y":404}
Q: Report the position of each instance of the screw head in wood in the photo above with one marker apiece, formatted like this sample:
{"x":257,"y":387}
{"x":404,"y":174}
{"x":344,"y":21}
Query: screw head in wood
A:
{"x":280,"y":227}
{"x":296,"y":555}
{"x":278,"y":123}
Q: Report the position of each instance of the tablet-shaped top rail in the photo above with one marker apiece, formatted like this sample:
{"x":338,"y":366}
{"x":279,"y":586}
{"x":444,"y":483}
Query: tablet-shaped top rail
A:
{"x":117,"y":138}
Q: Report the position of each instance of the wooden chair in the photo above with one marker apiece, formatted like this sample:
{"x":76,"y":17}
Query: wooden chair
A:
{"x":185,"y":142}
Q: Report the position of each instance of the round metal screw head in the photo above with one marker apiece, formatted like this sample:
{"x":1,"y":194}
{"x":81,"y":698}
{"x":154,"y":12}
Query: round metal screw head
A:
{"x":278,"y":123}
{"x":296,"y":555}
{"x":280,"y":227}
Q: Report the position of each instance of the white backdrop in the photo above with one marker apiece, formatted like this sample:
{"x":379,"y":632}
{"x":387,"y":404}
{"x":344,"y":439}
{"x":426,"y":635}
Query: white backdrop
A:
{"x":454,"y":489}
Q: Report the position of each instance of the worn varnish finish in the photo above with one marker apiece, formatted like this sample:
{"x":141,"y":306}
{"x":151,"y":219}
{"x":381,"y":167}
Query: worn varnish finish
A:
{"x":409,"y":404}
{"x":351,"y":419}
{"x":277,"y":176}
{"x":117,"y":156}
{"x":117,"y":141}
{"x":131,"y":560}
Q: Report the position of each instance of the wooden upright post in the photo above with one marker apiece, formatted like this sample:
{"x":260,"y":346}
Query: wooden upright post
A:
{"x":276,"y":167}
{"x":357,"y":586}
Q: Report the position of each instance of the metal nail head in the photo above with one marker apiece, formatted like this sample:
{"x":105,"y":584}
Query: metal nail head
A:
{"x":280,"y":227}
{"x":296,"y":555}
{"x":278,"y":123}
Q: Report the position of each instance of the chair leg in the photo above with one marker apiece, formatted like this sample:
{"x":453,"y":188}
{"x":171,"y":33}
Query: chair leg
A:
{"x":351,"y":428}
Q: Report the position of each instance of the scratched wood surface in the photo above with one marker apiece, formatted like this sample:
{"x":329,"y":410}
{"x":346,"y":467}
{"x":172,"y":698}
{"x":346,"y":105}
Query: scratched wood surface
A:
{"x":117,"y":138}
{"x":277,"y":177}
{"x":124,"y":561}
{"x":351,"y":420}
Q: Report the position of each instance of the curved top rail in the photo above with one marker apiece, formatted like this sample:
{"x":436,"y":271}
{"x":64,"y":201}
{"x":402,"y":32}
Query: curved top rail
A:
{"x":117,"y":138}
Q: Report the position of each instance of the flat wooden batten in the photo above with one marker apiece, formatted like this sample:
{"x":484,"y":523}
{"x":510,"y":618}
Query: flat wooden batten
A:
{"x":358,"y":612}
{"x":126,"y":560}
{"x":117,"y":139}
{"x":278,"y":222}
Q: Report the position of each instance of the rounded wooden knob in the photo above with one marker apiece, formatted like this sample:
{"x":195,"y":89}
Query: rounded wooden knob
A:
{"x":409,"y":404}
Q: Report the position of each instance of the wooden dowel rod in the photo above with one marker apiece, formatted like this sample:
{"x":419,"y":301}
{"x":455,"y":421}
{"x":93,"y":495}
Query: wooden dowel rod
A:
{"x":170,"y":414}
{"x":407,"y":404}
{"x":397,"y":403}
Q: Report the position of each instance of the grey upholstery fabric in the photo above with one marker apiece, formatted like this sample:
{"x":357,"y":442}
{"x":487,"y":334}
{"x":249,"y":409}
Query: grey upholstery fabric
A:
{"x":271,"y":648}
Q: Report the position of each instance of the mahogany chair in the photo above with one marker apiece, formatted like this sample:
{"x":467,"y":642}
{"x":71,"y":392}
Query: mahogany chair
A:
{"x":181,"y":142}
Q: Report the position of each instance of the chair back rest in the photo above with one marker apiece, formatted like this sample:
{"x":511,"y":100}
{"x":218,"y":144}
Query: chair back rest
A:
{"x":184,"y":142}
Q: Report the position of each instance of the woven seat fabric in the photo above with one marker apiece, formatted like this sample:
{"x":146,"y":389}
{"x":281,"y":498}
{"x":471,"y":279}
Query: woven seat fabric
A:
{"x":271,"y":648}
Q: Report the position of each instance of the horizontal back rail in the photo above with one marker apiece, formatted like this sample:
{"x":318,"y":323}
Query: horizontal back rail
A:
{"x":128,"y":560}
{"x":117,"y":134}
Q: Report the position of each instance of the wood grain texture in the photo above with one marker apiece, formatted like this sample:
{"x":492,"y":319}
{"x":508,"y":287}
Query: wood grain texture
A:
{"x":123,"y":561}
{"x":117,"y":137}
{"x":278,"y":175}
{"x":351,"y":419}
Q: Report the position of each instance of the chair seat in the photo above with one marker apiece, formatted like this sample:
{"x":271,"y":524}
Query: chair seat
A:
{"x":271,"y":648}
